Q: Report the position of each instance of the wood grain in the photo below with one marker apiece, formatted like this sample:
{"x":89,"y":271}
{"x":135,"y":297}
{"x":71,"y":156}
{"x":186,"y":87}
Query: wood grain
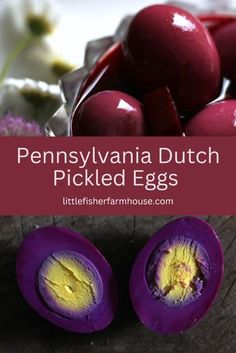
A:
{"x":120,"y":239}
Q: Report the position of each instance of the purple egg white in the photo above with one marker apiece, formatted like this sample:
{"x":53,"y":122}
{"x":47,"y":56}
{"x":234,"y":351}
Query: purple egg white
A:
{"x":167,"y":297}
{"x":66,"y":280}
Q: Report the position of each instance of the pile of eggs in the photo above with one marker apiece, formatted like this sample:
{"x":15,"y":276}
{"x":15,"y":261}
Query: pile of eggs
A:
{"x":165,"y":79}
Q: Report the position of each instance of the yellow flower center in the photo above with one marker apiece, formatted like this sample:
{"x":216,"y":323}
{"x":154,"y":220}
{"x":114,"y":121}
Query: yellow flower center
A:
{"x":39,"y":25}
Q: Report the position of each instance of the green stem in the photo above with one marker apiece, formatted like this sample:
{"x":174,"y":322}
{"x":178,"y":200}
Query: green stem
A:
{"x":14,"y":53}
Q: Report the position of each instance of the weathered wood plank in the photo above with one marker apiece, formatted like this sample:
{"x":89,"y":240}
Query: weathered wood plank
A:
{"x":120,"y":239}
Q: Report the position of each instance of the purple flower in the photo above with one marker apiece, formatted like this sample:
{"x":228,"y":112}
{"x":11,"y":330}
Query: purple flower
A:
{"x":19,"y":126}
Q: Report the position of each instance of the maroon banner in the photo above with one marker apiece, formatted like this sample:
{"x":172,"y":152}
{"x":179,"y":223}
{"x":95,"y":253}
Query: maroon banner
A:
{"x":118,"y":176}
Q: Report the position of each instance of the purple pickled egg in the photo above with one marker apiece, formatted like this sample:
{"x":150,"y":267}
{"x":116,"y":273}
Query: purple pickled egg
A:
{"x":109,"y":113}
{"x":217,"y":119}
{"x":161,"y":113}
{"x":66,"y":280}
{"x":167,"y":46}
{"x":224,"y":38}
{"x":176,"y":276}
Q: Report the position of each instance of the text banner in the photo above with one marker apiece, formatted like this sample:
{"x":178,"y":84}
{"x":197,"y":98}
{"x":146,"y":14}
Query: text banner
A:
{"x":118,"y":175}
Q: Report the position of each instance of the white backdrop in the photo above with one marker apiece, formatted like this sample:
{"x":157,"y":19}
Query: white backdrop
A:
{"x":81,"y":21}
{"x":89,"y":19}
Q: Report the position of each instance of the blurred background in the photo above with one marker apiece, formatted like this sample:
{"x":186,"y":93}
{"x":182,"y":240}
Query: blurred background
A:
{"x":77,"y":22}
{"x":41,"y":40}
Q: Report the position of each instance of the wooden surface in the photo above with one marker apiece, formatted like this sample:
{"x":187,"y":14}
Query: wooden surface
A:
{"x":119,"y":238}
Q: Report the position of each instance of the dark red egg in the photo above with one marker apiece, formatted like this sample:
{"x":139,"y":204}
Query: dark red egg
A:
{"x":176,"y":276}
{"x":217,"y":119}
{"x":66,"y":280}
{"x":213,"y":21}
{"x":224,"y":38}
{"x":161,"y":113}
{"x":109,"y":113}
{"x":167,"y":46}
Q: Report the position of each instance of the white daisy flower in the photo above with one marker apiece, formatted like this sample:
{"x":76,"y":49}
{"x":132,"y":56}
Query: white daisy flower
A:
{"x":29,"y":22}
{"x":38,"y":17}
{"x":35,"y":100}
{"x":52,"y":65}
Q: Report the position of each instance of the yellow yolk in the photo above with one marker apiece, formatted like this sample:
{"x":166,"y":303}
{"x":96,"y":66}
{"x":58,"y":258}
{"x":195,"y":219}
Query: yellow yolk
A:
{"x":70,"y":284}
{"x":177,"y":272}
